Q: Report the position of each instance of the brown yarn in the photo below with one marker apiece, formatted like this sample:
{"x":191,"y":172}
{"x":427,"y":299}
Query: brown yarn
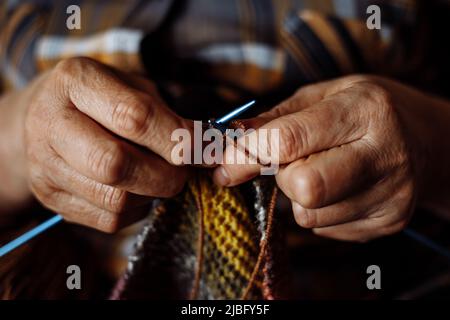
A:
{"x":263,"y":246}
{"x":267,"y":286}
{"x":267,"y":291}
{"x":240,"y":125}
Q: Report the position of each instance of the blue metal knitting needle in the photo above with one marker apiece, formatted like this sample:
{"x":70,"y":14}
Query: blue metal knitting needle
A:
{"x":29,"y":235}
{"x":427,"y":242}
{"x":58,"y":218}
{"x":235,"y":112}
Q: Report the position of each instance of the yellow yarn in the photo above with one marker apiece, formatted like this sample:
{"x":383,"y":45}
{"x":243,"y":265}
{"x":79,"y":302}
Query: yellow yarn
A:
{"x":229,"y":226}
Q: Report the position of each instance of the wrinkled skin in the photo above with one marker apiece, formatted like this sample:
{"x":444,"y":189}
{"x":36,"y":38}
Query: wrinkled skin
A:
{"x":355,"y":155}
{"x":97,"y":144}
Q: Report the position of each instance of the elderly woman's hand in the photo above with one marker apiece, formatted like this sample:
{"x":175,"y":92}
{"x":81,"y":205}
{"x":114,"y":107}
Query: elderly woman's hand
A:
{"x":95,"y":143}
{"x":355,"y":154}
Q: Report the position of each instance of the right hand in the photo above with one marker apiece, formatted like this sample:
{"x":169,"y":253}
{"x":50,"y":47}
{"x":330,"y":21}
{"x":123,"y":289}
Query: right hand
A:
{"x":98,"y":144}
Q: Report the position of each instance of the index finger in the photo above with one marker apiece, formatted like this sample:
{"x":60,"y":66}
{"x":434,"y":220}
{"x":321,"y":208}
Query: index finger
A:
{"x":132,"y":114}
{"x":329,"y":123}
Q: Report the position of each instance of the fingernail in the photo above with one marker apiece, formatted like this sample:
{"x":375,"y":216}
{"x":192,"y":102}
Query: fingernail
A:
{"x":221,"y":177}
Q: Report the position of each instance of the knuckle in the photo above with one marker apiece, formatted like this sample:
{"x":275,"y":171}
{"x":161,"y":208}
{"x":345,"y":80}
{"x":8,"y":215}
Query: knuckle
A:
{"x":396,"y":217}
{"x":175,"y":186}
{"x":41,"y":190}
{"x":390,"y":222}
{"x":306,"y":218}
{"x":45,"y":196}
{"x":114,"y":199}
{"x":63,"y":67}
{"x":70,"y":66}
{"x":302,"y":90}
{"x":109,"y":164}
{"x":293,"y":139}
{"x":406,"y":195}
{"x":309,"y":188}
{"x":356,"y":79}
{"x":67,"y":66}
{"x":131,"y":115}
{"x":65,"y":72}
{"x":390,"y":229}
{"x":378,"y":97}
{"x":381,"y":96}
{"x":287,"y":105}
{"x":55,"y":128}
{"x":108,"y":222}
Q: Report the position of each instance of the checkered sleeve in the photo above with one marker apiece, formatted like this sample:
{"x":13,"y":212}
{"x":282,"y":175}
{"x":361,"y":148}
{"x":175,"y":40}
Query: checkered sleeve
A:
{"x":21,"y":24}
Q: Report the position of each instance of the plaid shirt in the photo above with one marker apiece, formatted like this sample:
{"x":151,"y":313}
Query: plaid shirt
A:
{"x":253,"y":46}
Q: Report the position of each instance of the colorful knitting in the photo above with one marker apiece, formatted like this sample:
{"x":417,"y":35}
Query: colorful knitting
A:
{"x":207,"y":243}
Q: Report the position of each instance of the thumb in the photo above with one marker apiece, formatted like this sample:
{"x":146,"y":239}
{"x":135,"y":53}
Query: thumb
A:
{"x":328,"y":124}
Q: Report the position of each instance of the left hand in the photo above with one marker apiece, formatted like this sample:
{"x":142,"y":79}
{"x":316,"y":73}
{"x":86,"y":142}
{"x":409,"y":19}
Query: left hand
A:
{"x":352,"y":154}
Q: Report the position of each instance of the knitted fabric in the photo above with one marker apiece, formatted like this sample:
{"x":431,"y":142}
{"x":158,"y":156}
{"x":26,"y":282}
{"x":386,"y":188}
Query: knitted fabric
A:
{"x":210,"y":242}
